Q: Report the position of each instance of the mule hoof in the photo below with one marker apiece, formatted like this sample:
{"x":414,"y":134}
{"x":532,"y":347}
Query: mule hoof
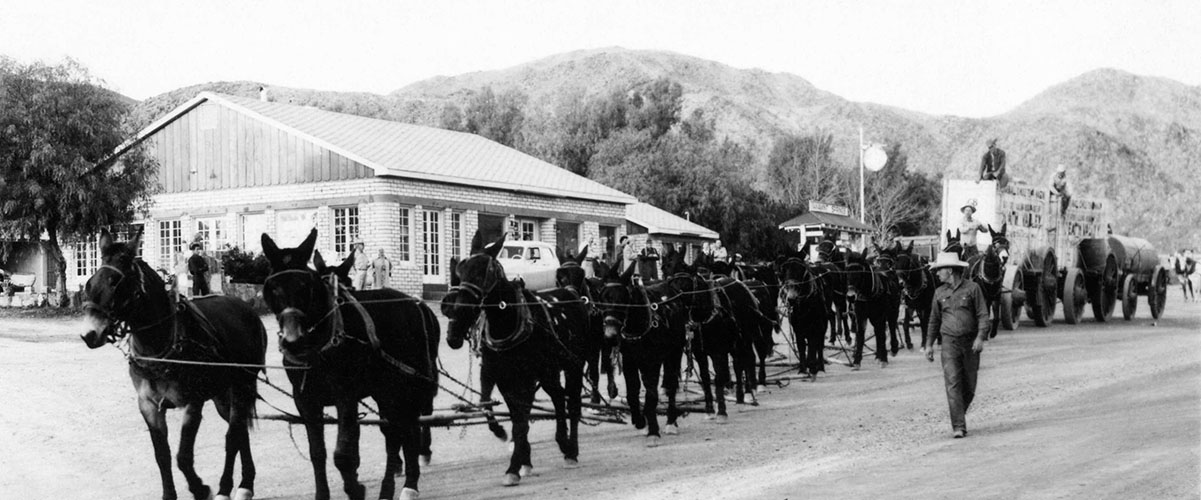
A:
{"x":408,"y":494}
{"x":571,"y":463}
{"x":510,"y":479}
{"x":709,"y":416}
{"x":243,"y":494}
{"x":527,"y":470}
{"x":652,"y":441}
{"x":721,"y":419}
{"x":424,"y":460}
{"x":205,"y":493}
{"x":671,"y":429}
{"x":761,"y":389}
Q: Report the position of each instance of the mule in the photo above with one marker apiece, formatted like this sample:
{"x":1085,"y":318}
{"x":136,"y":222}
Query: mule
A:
{"x":988,"y":271}
{"x":764,"y":284}
{"x":832,"y":264}
{"x":592,"y":346}
{"x":711,"y":333}
{"x":525,"y":345}
{"x":805,"y":305}
{"x":917,"y":290}
{"x":648,"y":323}
{"x":885,"y":263}
{"x":126,"y":298}
{"x":343,"y":346}
{"x":867,"y":295}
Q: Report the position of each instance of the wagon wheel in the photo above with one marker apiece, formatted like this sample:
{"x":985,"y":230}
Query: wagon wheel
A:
{"x":1129,"y":296}
{"x":1011,"y":300}
{"x":1105,"y":295}
{"x":1042,"y":308}
{"x":1074,"y":296}
{"x":1157,"y":295}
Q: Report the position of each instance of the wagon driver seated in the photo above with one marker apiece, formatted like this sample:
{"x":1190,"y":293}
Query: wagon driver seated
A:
{"x":969,"y":227}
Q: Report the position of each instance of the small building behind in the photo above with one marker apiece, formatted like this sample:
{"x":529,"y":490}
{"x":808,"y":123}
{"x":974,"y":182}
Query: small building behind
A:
{"x":829,"y":222}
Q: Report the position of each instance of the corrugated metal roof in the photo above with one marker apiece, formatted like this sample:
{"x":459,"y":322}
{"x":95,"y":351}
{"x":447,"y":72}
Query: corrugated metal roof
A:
{"x":829,"y":220}
{"x":658,"y":221}
{"x":416,"y":152}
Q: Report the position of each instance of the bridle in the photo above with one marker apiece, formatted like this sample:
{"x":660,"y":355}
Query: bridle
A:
{"x":120,"y":327}
{"x":913,"y":293}
{"x":696,"y":282}
{"x":877,"y":287}
{"x":332,"y":317}
{"x":652,"y":316}
{"x":480,"y":293}
{"x":793,"y":284}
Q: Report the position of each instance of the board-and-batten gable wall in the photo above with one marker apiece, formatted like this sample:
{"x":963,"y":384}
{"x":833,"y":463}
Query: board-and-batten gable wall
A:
{"x":242,"y":166}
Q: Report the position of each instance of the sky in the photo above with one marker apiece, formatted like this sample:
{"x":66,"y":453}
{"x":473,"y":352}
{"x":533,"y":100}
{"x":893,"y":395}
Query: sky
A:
{"x":958,"y":57}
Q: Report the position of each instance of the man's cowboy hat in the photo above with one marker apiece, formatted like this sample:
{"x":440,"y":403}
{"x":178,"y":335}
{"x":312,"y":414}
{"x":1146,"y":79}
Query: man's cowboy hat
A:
{"x":992,"y":142}
{"x":970,"y":204}
{"x":947,"y":259}
{"x":356,"y":243}
{"x":196,"y":246}
{"x":1061,"y":168}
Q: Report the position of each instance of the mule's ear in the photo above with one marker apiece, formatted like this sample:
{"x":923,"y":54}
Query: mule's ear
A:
{"x":909,"y":249}
{"x":579,"y":259}
{"x":105,"y":239}
{"x":306,"y":247}
{"x":319,"y":262}
{"x":494,"y":249}
{"x":949,"y":236}
{"x":1004,"y":228}
{"x":805,"y":249}
{"x":135,"y":242}
{"x":454,"y":271}
{"x":958,"y":235}
{"x":627,"y":276}
{"x":477,"y":243}
{"x":343,"y":269}
{"x":269,"y":248}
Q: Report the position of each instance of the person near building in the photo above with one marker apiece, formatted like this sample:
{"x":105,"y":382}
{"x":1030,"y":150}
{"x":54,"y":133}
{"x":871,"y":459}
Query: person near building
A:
{"x":381,"y":271}
{"x":969,"y":228}
{"x":648,"y":261}
{"x":1186,"y":266}
{"x":198,"y":270}
{"x":959,"y":315}
{"x":719,"y":252}
{"x":992,"y":165}
{"x":362,"y":264}
{"x":621,"y":260}
{"x":1060,"y":187}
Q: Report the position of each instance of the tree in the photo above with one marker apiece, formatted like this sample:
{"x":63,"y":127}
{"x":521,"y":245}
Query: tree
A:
{"x":802,"y":169}
{"x":58,"y":174}
{"x":656,"y":106}
{"x":900,"y":202}
{"x":498,"y":117}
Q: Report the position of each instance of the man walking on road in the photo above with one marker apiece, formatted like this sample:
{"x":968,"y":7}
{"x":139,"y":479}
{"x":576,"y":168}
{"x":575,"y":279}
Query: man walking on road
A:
{"x":960,"y":315}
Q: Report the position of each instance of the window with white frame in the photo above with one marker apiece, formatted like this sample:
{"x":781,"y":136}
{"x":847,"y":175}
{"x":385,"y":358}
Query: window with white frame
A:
{"x":405,"y":252}
{"x":170,"y":237}
{"x":529,"y":230}
{"x":213,"y":233}
{"x":456,"y":235}
{"x":253,"y":227}
{"x":346,"y":230}
{"x":431,"y":242}
{"x":87,"y":257}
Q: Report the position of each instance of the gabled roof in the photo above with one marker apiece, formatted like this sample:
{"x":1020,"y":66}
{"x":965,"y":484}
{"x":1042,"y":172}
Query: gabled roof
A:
{"x":658,"y":221}
{"x":410,"y":151}
{"x":833,"y":221}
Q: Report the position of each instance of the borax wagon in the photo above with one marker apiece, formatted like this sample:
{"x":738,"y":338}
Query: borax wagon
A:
{"x":1058,"y":253}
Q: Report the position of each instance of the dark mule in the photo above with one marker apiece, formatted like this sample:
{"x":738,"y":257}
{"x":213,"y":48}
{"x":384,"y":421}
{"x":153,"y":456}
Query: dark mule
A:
{"x":832,"y":264}
{"x":885,"y":262}
{"x":525,"y":345}
{"x":917,"y":289}
{"x":348,"y":345}
{"x":805,"y":306}
{"x":711,"y":329}
{"x":867,"y":295}
{"x":591,"y":346}
{"x":126,"y":297}
{"x":648,"y":321}
{"x":764,"y":284}
{"x":988,"y":271}
{"x":752,"y":326}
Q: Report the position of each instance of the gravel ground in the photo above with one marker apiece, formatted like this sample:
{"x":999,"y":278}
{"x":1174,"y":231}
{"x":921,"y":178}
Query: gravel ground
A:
{"x":1087,"y":411}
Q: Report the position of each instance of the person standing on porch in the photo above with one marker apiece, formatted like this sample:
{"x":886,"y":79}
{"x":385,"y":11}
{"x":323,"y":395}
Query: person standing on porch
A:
{"x":198,"y":269}
{"x":381,"y":270}
{"x":362,"y":263}
{"x":960,"y":315}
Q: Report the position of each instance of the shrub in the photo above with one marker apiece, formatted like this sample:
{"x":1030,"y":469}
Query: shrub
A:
{"x":245,"y":267}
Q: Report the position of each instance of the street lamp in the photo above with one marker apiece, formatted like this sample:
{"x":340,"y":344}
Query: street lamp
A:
{"x":873,"y":157}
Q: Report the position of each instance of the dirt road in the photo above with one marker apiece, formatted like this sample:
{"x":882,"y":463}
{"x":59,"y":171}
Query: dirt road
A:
{"x":1087,"y":411}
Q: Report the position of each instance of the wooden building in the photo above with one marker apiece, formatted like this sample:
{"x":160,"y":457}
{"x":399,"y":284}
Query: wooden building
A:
{"x":233,"y":168}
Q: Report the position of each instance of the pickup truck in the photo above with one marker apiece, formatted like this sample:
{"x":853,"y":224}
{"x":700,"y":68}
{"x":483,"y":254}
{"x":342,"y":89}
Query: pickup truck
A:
{"x":534,"y":262}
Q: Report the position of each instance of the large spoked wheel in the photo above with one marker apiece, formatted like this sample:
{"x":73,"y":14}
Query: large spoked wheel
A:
{"x":1074,"y":296}
{"x":1105,"y":295}
{"x":1129,"y":296}
{"x":1157,"y":295}
{"x":1042,"y":308}
{"x":1012,"y":299}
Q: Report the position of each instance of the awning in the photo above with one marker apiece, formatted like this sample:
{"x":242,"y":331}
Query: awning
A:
{"x":826,"y":220}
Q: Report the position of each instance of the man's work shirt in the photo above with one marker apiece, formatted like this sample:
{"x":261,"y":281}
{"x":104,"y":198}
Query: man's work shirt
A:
{"x":959,"y":311}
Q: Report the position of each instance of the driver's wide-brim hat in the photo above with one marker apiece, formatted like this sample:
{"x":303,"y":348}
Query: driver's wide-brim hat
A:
{"x":947,"y":259}
{"x":196,"y":246}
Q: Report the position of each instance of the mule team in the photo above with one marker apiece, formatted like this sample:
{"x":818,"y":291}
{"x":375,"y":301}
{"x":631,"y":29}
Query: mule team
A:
{"x":341,"y":345}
